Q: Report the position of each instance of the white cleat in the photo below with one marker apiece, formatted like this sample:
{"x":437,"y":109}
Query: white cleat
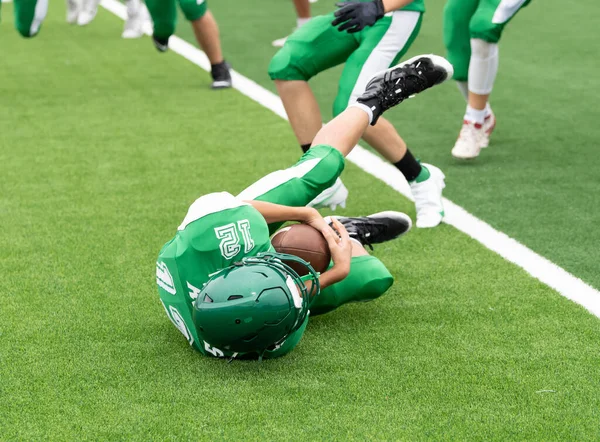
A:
{"x":470,"y":141}
{"x":332,"y":197}
{"x":428,"y":198}
{"x":88,"y":12}
{"x":279,"y":42}
{"x":489,"y":124}
{"x":73,"y":7}
{"x":136,"y":18}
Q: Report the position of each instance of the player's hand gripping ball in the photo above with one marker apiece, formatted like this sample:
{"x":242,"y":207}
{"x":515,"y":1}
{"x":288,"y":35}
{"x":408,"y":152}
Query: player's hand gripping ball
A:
{"x":307,"y":243}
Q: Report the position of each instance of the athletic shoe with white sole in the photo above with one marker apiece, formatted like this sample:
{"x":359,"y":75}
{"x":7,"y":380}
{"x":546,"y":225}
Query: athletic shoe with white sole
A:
{"x":73,"y":7}
{"x":377,"y":228}
{"x":388,"y":88}
{"x":470,"y":141}
{"x":161,"y":44}
{"x":221,"y":76}
{"x":88,"y":12}
{"x":279,"y":42}
{"x":489,"y":124}
{"x":137,"y":14}
{"x":331,"y":197}
{"x":428,"y":198}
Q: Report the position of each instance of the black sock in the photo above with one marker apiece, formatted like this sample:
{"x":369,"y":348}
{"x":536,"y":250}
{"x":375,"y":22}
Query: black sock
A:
{"x":305,"y":147}
{"x":409,"y":166}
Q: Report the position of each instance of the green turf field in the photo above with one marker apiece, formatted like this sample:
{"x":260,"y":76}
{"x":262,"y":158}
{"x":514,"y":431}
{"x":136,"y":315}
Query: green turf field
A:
{"x":104,"y":144}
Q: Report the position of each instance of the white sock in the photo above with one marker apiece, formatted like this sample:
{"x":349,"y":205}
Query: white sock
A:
{"x":301,"y":21}
{"x":463,"y":87}
{"x":475,"y":115}
{"x":365,"y":108}
{"x":483,"y":66}
{"x":488,"y":109}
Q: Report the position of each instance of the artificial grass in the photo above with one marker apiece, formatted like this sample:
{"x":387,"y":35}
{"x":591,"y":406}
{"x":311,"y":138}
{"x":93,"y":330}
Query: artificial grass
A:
{"x":104,"y":145}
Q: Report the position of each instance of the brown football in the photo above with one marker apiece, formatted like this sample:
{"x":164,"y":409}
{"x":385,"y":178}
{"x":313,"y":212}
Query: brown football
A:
{"x":305,"y":242}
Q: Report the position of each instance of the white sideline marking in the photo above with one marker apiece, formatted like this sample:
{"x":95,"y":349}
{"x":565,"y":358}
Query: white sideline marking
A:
{"x":537,"y":266}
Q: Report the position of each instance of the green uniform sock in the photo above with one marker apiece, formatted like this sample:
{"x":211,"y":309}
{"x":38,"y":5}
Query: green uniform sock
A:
{"x":423,"y":175}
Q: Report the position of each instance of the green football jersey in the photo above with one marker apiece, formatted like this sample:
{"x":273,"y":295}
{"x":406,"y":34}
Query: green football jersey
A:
{"x":217,"y":231}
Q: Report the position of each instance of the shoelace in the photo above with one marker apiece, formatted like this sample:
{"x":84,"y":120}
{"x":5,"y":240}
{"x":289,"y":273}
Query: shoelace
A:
{"x":364,"y":229}
{"x":408,"y":79}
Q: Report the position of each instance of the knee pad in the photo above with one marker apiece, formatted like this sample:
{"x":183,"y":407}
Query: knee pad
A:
{"x":483,"y":49}
{"x":483,"y":67}
{"x":192,"y":10}
{"x":330,"y":166}
{"x":284,"y":66}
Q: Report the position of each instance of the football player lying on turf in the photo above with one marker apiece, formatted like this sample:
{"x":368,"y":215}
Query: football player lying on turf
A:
{"x":221,"y":282}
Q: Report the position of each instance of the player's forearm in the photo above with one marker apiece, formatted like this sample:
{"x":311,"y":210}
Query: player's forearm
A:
{"x":274,"y":213}
{"x":333,"y":275}
{"x":392,"y":5}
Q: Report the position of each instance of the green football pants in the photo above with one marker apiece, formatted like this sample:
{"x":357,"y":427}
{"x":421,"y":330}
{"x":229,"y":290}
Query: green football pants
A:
{"x":164,"y":14}
{"x":467,"y":19}
{"x":318,"y":46}
{"x":29,"y":16}
{"x":297,"y":186}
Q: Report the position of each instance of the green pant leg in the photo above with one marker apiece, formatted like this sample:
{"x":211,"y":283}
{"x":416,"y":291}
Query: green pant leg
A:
{"x":193,"y":9}
{"x":381,"y":46}
{"x":164,"y":17}
{"x":298,"y":185}
{"x":313,"y":48}
{"x":29,"y":16}
{"x":457,"y":36}
{"x":492,"y":16}
{"x":368,"y":279}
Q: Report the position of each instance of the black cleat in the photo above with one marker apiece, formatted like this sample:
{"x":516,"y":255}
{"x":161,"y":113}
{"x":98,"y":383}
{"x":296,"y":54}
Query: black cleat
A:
{"x":221,"y":75}
{"x":388,"y":88}
{"x":377,"y":228}
{"x":161,"y":44}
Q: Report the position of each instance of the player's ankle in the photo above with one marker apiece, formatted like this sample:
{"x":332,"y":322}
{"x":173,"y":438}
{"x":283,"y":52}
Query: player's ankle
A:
{"x":473,"y":115}
{"x":409,"y":167}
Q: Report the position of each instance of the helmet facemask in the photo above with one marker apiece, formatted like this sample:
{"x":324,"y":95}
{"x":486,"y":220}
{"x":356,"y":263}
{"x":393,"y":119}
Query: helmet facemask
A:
{"x":254,"y":305}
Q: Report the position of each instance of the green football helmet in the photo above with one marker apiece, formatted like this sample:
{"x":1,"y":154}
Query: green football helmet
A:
{"x":255,"y":304}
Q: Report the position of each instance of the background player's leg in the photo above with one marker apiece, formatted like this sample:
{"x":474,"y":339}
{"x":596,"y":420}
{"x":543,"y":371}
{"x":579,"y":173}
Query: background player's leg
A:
{"x":303,"y":16}
{"x":164,"y":17}
{"x":315,"y":47}
{"x":206,"y":31}
{"x":29,"y":16}
{"x":485,"y":29}
{"x":302,"y":110}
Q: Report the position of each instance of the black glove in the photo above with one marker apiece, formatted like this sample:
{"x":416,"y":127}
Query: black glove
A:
{"x":355,"y":15}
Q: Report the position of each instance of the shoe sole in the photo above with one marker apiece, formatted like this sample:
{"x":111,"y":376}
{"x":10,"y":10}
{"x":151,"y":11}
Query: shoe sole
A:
{"x":221,"y":85}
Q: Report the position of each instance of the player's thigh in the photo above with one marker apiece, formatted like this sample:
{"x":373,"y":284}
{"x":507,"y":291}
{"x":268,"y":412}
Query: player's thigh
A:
{"x":193,"y":9}
{"x":368,"y":279}
{"x":164,"y":16}
{"x":457,"y":36}
{"x":300,"y":184}
{"x":492,"y":16}
{"x":313,"y":48}
{"x":29,"y":16}
{"x":380,"y":47}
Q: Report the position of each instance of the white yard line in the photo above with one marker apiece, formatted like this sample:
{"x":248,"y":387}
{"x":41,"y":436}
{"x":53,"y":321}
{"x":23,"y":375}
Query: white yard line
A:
{"x":537,"y":266}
